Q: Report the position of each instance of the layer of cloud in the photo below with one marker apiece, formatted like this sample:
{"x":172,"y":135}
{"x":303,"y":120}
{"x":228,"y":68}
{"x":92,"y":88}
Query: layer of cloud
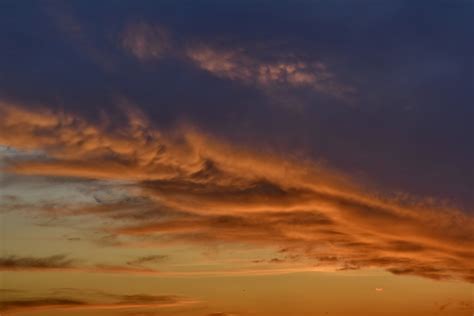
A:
{"x":98,"y":301}
{"x":151,"y":259}
{"x":56,"y":262}
{"x":15,"y":263}
{"x":215,"y":192}
{"x":136,"y":267}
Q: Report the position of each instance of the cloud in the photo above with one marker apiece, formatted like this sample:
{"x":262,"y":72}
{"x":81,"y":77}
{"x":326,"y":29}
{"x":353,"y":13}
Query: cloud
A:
{"x":147,"y":260}
{"x":289,"y":71}
{"x":208,"y":191}
{"x":56,"y":262}
{"x":105,"y":301}
{"x":456,"y":305}
{"x":78,"y":35}
{"x":40,"y":303}
{"x":63,"y":263}
{"x":136,"y":267}
{"x":148,"y":42}
{"x":145,"y":42}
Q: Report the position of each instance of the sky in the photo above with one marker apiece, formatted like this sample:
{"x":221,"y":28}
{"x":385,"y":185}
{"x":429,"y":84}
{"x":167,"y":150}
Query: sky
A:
{"x":224,"y":158}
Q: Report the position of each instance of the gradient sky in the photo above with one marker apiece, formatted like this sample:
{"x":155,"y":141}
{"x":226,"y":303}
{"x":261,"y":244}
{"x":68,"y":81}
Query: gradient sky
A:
{"x":218,"y":158}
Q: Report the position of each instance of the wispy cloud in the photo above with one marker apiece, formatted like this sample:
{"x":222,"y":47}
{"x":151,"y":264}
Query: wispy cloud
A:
{"x":456,"y":305}
{"x":56,"y":262}
{"x":136,"y":267}
{"x":99,"y":301}
{"x":64,"y":263}
{"x":289,"y":71}
{"x":216,"y":192}
{"x":151,"y":259}
{"x":148,"y":42}
{"x":78,"y":34}
{"x":40,"y":303}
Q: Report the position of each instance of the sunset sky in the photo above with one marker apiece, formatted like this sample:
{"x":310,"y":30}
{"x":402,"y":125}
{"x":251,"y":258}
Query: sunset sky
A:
{"x":234,"y":158}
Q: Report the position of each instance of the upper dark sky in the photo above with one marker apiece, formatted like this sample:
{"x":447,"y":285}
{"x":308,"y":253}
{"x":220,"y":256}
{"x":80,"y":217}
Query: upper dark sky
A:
{"x":380,"y":89}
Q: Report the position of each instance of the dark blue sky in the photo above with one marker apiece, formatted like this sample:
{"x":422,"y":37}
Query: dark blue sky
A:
{"x":406,"y":123}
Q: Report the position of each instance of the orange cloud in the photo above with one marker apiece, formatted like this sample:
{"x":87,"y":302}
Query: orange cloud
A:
{"x":60,"y":263}
{"x":215,"y":192}
{"x":293,"y":72}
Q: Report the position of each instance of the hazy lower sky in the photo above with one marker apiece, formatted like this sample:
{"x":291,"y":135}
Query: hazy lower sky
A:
{"x":227,"y":158}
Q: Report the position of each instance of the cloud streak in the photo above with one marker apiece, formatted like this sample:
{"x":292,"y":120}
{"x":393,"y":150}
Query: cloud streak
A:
{"x":64,"y":263}
{"x":135,"y":267}
{"x":151,"y":259}
{"x":216,"y":192}
{"x":56,"y":262}
{"x":107,"y":302}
